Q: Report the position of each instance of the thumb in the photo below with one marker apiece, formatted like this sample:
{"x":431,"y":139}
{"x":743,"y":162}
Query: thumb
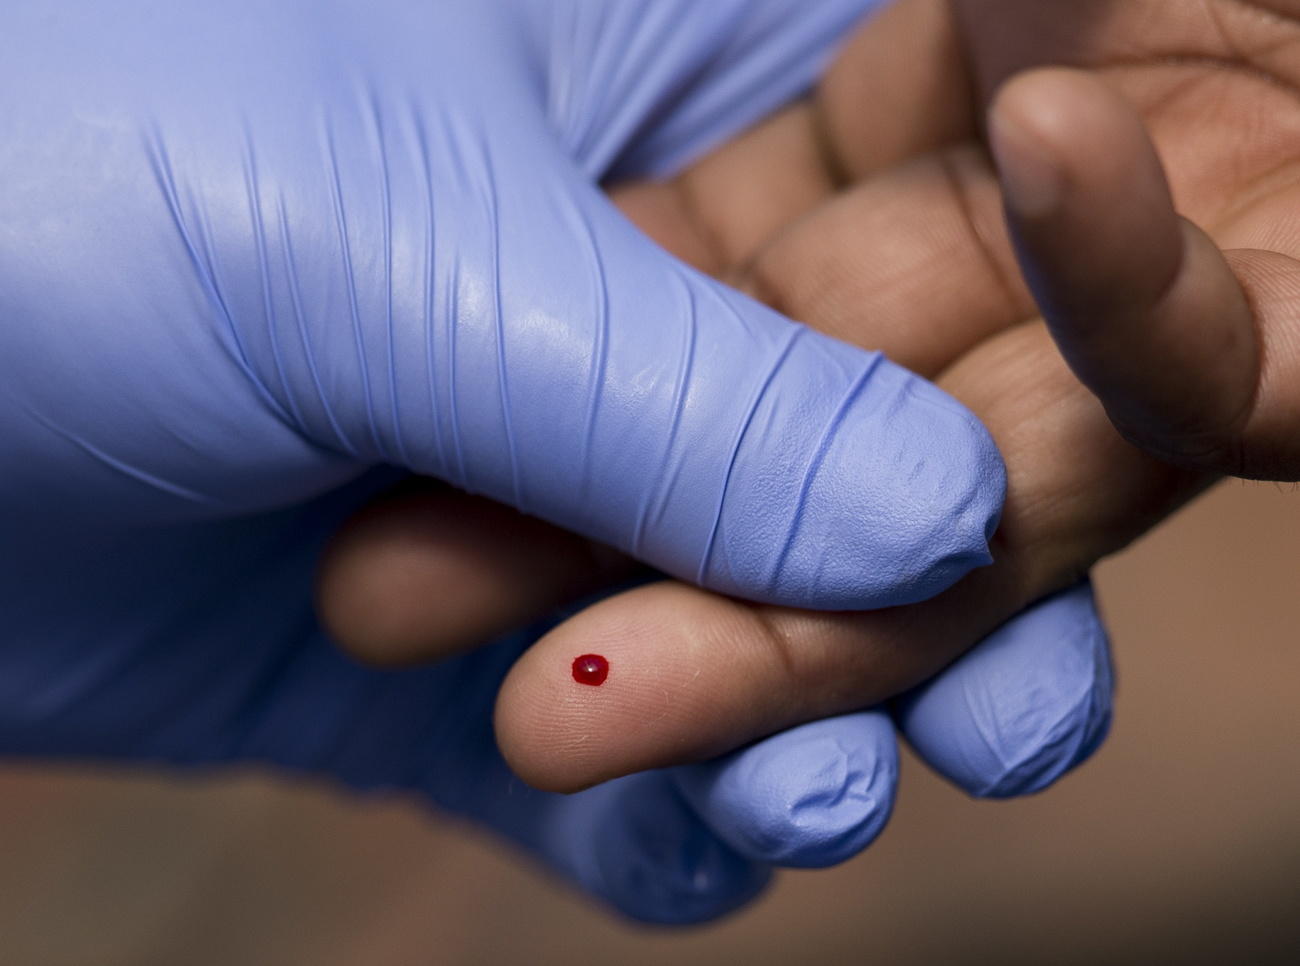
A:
{"x":621,"y":394}
{"x":1189,"y":348}
{"x":555,"y":359}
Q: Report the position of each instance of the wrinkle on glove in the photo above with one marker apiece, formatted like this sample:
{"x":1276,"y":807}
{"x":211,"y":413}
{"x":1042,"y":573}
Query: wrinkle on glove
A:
{"x":293,"y":241}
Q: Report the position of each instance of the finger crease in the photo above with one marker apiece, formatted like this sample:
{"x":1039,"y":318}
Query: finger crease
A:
{"x":965,"y":205}
{"x":720,"y":260}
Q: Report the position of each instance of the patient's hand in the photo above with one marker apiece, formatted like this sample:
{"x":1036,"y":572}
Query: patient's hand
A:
{"x":873,"y":212}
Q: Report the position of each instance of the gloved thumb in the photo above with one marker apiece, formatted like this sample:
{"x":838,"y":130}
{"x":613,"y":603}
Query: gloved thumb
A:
{"x":533,"y":346}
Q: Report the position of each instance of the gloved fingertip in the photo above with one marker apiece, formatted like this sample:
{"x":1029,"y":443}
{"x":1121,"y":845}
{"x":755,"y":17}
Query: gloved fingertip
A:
{"x":903,"y":490}
{"x":1031,"y":702}
{"x":810,"y":797}
{"x":649,"y":855}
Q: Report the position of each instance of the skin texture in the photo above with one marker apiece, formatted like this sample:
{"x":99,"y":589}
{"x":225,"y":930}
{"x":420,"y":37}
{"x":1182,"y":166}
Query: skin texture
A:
{"x":880,"y":220}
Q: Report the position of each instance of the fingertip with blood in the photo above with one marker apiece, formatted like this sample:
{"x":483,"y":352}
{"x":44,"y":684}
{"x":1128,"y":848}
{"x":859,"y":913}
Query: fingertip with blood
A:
{"x":664,"y":684}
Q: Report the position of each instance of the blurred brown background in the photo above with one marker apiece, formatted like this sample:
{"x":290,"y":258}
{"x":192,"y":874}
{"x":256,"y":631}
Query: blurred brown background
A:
{"x":1179,"y":843}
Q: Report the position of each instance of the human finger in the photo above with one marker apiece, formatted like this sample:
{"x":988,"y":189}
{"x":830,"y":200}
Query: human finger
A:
{"x":915,"y":263}
{"x":692,"y":675}
{"x":425,"y":571}
{"x":735,"y":198}
{"x":635,"y":844}
{"x":1190,"y":349}
{"x":898,"y":89}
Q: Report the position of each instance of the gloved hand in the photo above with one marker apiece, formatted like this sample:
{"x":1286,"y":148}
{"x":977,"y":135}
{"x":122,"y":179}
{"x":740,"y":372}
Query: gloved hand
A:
{"x":251,"y":253}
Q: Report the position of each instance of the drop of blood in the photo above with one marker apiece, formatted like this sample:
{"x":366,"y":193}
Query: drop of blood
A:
{"x":590,"y":669}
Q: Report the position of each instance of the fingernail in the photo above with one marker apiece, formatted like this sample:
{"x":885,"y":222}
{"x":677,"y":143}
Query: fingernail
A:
{"x":1031,"y":179}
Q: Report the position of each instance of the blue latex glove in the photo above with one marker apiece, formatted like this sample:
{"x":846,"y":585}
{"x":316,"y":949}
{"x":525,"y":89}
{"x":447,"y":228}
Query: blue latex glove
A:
{"x":251,"y":251}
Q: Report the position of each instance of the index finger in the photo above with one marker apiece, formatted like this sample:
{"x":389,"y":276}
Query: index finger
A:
{"x":691,"y":675}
